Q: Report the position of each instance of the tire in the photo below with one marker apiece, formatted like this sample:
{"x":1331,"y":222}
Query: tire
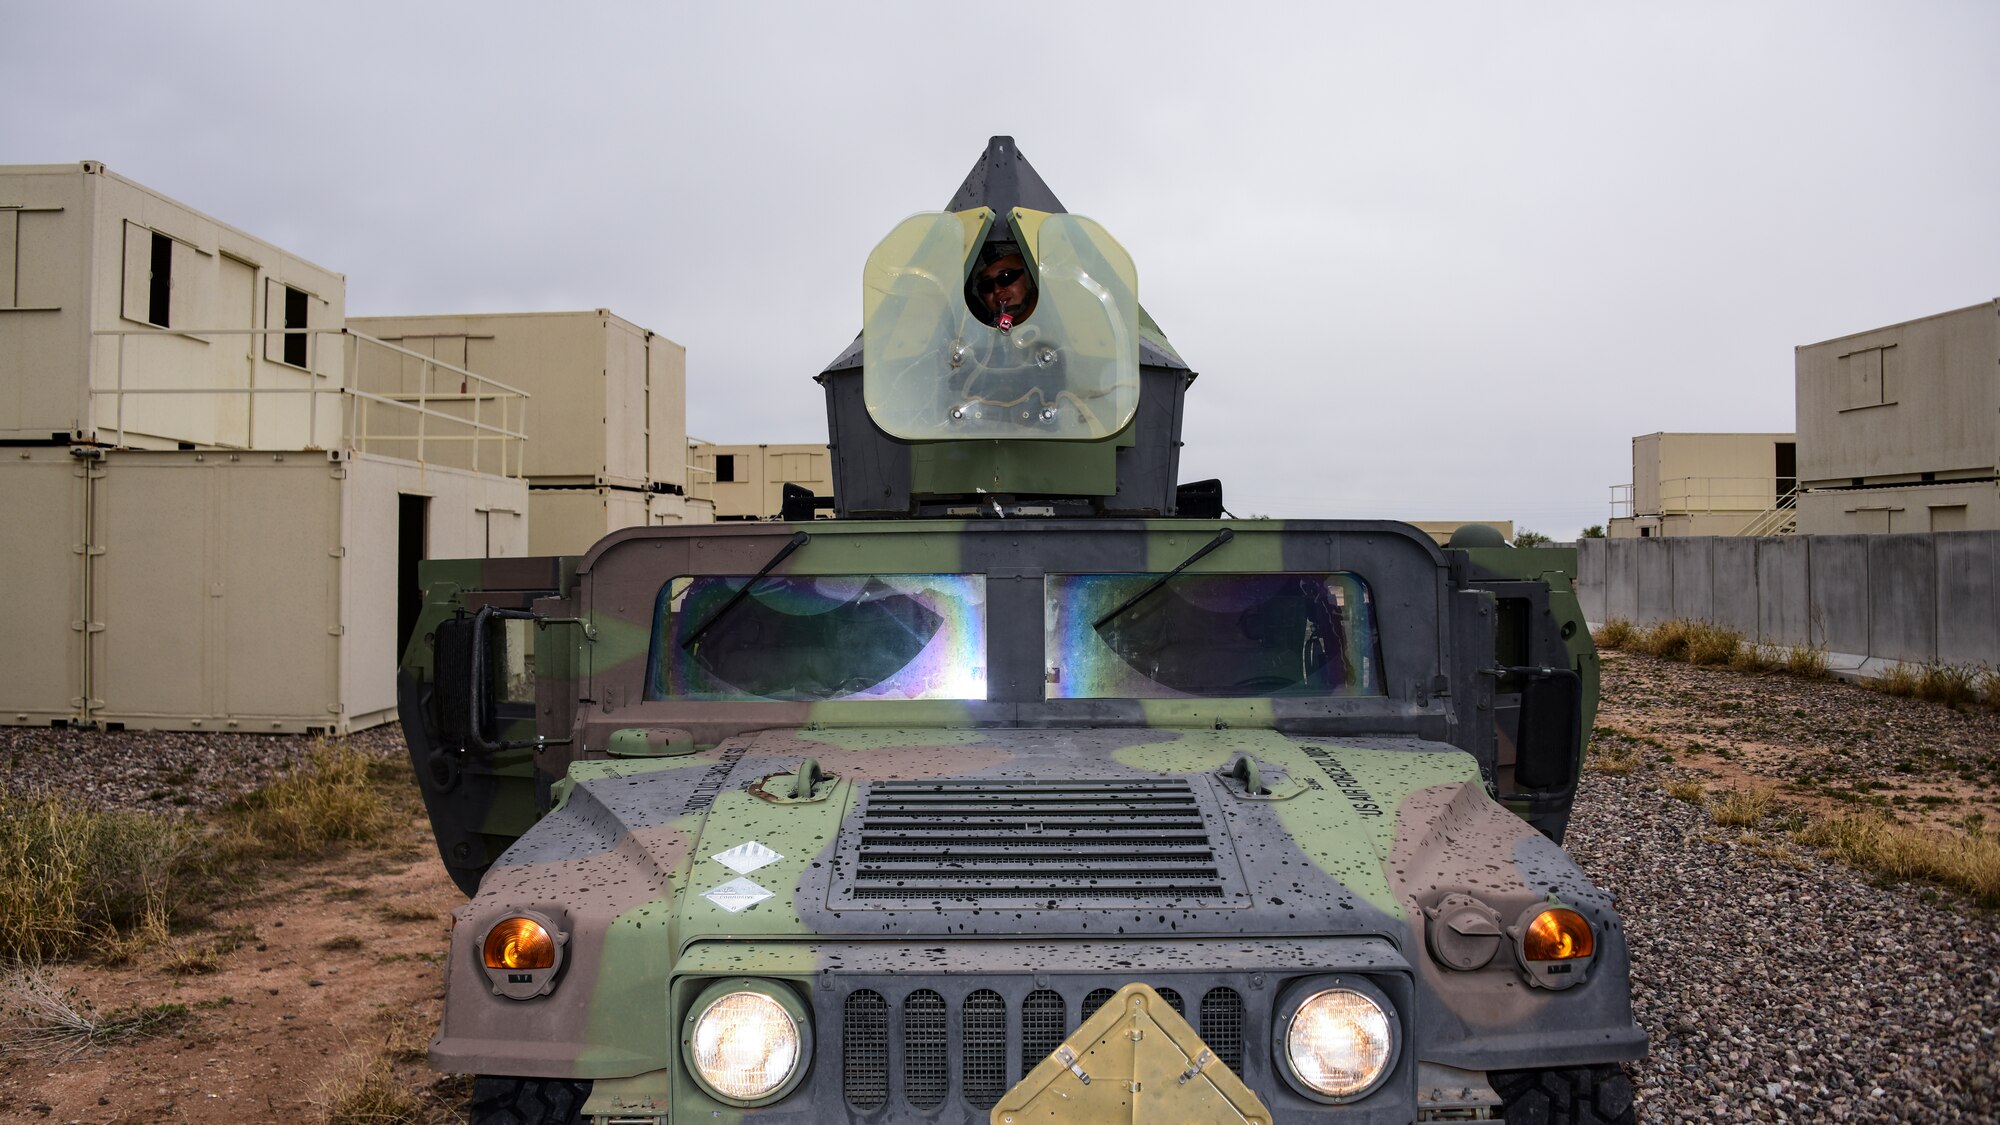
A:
{"x":528,"y":1101}
{"x":1584,"y":1095}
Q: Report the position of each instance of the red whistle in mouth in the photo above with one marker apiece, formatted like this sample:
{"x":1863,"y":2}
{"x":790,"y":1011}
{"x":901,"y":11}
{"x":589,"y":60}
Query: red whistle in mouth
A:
{"x":1006,"y":321}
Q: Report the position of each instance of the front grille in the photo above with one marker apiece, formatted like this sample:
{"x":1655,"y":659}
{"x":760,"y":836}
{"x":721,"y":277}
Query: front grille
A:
{"x":964,"y":840}
{"x":925,"y":1047}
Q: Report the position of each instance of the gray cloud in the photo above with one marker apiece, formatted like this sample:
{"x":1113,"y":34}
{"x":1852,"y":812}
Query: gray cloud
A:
{"x":1435,"y":262}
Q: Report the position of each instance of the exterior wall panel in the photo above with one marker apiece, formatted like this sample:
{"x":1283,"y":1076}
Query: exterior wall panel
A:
{"x":1902,"y":598}
{"x":41,"y":559}
{"x":1968,"y":598}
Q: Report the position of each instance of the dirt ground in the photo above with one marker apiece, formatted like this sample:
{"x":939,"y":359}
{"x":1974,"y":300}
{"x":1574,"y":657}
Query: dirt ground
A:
{"x":334,"y":965}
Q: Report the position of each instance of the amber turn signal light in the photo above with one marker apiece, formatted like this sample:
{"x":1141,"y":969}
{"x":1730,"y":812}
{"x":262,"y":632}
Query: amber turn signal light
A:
{"x":522,"y":943}
{"x":1555,"y":935}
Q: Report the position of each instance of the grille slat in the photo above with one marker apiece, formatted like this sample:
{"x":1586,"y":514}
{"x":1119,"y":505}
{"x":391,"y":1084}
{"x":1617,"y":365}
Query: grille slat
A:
{"x":864,"y":1064}
{"x":983,"y":1032}
{"x":926,"y":1059}
{"x":1222,"y":1025}
{"x":962,"y":841}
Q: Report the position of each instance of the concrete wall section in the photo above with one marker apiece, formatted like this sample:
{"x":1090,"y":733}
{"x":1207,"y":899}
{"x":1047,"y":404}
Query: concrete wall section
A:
{"x":1837,"y":592}
{"x":1910,"y":599}
{"x":1621,"y":579}
{"x":1968,"y":597}
{"x":1655,"y":596}
{"x":1784,"y":616}
{"x":1590,"y":560}
{"x":1693,"y":563}
{"x":1734,"y":584}
{"x":1902,"y":598}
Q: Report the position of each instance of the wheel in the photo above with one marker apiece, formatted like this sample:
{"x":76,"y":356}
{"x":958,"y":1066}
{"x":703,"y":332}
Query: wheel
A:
{"x":1584,"y":1095}
{"x":528,"y":1101}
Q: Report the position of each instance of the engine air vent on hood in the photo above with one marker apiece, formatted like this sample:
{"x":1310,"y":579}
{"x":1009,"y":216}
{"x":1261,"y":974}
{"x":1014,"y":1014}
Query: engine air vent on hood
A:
{"x":1060,"y":841}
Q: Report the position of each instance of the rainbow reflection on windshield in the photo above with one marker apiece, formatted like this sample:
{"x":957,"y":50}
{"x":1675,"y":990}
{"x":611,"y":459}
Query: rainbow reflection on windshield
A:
{"x":1213,"y":635}
{"x":810,"y":638}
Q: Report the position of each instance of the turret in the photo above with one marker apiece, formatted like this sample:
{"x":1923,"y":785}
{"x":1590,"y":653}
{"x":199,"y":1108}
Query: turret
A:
{"x":976,"y":391}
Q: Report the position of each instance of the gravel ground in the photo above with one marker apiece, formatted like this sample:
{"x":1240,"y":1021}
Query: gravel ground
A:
{"x":161,"y":770}
{"x":1776,"y":985}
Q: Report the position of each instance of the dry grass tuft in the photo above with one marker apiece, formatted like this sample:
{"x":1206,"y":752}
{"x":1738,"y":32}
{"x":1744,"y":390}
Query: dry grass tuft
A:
{"x":1955,"y":687}
{"x":371,"y":1095}
{"x":1615,"y":633}
{"x":1899,"y":680}
{"x":1751,"y":659}
{"x":39,"y":1017}
{"x":1874,"y":843}
{"x":71,"y":878}
{"x":328,"y":801}
{"x":1740,"y":808}
{"x":1806,"y":662}
{"x":1687,"y":790}
{"x":1616,"y":760}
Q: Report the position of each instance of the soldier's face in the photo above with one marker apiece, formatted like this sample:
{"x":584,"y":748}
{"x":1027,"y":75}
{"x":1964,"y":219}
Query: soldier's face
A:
{"x":1004,"y":284}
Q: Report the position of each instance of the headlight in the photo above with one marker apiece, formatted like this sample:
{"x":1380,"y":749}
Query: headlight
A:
{"x":1340,"y":1042}
{"x":746,"y":1042}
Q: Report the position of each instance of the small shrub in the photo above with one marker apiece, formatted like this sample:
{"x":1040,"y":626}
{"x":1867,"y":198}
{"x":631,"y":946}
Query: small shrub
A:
{"x":1615,"y":633}
{"x":371,"y":1095}
{"x":1686,"y":790}
{"x":1712,"y":644}
{"x":1947,"y":684}
{"x":1740,"y":808}
{"x":1666,"y":640}
{"x":1806,"y":662}
{"x":1616,"y":760}
{"x":1989,"y":688}
{"x":327,"y":801}
{"x":71,"y":878}
{"x":1750,"y":658}
{"x":1875,"y":844}
{"x":1897,"y":679}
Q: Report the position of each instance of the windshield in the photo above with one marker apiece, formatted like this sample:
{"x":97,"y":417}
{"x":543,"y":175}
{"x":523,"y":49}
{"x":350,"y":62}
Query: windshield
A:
{"x":871,"y":636}
{"x":1211,"y":635}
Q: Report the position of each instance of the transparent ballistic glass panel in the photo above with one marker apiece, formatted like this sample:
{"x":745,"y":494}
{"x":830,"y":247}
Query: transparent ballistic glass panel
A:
{"x":932,"y":371}
{"x":878,"y":636}
{"x":1217,"y":635}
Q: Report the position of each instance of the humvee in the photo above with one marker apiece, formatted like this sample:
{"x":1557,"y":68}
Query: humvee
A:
{"x":1028,"y":786}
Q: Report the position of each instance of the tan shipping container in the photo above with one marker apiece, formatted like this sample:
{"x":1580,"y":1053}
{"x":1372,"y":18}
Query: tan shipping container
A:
{"x":111,"y":287}
{"x":609,"y":397}
{"x":223,"y":590}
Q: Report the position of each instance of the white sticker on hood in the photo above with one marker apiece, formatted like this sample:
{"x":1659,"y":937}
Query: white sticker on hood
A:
{"x":746,"y":857}
{"x":737,"y":894}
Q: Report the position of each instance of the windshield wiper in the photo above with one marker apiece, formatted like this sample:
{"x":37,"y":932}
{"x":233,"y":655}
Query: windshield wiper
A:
{"x":743,"y":591}
{"x":1221,"y":537}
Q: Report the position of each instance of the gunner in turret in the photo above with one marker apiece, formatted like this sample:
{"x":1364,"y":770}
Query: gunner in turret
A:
{"x":1001,"y":291}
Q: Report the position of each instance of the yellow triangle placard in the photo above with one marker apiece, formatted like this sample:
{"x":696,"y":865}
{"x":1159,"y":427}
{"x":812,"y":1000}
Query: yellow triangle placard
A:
{"x":1134,"y":1060}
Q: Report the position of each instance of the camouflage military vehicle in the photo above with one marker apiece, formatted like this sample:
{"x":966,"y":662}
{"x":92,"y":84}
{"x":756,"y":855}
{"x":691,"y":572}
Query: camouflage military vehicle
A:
{"x":1026,"y":788}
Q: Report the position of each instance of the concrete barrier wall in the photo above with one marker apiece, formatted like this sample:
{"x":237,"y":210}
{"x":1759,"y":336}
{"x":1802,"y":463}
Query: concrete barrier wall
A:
{"x":1913,"y":599}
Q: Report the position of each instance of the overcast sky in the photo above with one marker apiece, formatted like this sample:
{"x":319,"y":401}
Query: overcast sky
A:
{"x":1431,"y":261}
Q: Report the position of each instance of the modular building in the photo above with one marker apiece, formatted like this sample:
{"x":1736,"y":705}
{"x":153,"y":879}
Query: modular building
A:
{"x":747,"y":482}
{"x":198,"y":529}
{"x":1899,"y":427}
{"x":1707,"y":484}
{"x":607,"y":443}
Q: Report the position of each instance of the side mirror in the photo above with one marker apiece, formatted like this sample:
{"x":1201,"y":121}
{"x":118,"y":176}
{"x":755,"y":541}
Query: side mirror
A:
{"x":472,"y":663}
{"x":1549,"y":738}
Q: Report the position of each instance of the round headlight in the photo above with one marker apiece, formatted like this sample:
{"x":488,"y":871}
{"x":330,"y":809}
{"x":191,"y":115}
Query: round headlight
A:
{"x":1340,"y":1042}
{"x":745,"y":1046}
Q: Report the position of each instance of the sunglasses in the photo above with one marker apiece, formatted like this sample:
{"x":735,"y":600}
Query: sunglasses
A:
{"x":999,"y":280}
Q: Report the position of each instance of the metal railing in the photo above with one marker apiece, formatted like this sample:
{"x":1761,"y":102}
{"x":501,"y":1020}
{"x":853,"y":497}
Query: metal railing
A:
{"x":1781,"y":518}
{"x":406,"y":422}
